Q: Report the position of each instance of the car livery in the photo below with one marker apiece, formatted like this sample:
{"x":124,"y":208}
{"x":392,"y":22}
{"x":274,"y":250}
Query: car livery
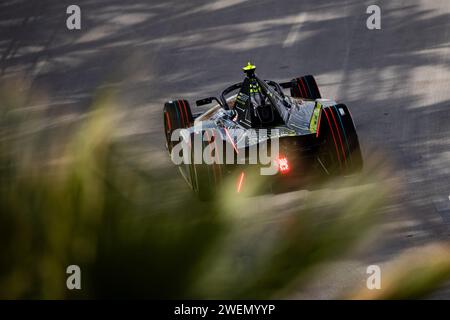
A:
{"x":316,"y":137}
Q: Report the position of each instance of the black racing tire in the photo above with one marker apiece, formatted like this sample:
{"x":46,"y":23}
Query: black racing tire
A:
{"x":306,"y":88}
{"x":340,"y":151}
{"x":177,"y":115}
{"x":205,"y":178}
{"x":348,"y":131}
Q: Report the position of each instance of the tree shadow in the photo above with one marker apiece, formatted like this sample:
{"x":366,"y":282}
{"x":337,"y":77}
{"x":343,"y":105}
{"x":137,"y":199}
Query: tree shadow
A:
{"x":393,"y":80}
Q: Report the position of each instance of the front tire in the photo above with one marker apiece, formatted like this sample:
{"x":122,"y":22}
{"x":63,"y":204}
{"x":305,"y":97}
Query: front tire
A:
{"x":305,"y":88}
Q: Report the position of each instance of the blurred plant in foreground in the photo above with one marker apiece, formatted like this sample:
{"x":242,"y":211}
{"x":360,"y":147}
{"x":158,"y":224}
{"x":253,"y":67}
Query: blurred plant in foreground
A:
{"x":83,"y":201}
{"x":413,"y":275}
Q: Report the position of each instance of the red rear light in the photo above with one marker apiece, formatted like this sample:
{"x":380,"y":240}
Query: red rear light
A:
{"x":240,"y":182}
{"x":283,"y":165}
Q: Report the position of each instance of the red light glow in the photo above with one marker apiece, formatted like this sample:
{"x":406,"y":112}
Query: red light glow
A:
{"x":283,"y":165}
{"x":240,"y":181}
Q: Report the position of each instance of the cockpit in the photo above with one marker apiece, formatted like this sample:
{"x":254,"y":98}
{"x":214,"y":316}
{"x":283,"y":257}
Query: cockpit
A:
{"x":256,"y":101}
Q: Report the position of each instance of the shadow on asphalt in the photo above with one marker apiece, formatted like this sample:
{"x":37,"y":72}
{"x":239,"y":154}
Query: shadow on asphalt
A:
{"x":158,"y":50}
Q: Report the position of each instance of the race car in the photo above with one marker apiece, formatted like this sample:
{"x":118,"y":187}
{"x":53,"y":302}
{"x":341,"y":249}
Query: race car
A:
{"x":315,"y":138}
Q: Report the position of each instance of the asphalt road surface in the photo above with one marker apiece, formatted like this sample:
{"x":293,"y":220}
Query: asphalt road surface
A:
{"x":395,"y":80}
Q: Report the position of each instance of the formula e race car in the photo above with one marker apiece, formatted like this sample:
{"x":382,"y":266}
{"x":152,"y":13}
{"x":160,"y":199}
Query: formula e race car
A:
{"x":308,"y":138}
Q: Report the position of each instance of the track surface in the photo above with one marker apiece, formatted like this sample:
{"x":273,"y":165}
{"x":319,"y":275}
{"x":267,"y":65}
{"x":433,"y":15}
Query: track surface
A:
{"x":396,"y":80}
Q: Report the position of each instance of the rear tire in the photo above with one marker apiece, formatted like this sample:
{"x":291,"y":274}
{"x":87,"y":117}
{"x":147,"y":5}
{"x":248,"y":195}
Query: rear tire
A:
{"x":340,"y":153}
{"x":205,"y":178}
{"x":177,"y":115}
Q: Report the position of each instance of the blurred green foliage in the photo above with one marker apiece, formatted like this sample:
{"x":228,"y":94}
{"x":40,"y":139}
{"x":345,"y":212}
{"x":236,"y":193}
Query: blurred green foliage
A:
{"x":80,"y":200}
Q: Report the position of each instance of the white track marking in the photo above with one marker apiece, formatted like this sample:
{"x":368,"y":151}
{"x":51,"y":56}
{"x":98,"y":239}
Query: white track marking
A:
{"x":293,"y":33}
